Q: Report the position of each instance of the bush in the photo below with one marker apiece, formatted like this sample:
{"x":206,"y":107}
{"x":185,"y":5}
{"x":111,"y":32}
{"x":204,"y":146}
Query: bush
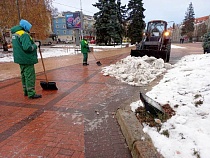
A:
{"x":206,"y":41}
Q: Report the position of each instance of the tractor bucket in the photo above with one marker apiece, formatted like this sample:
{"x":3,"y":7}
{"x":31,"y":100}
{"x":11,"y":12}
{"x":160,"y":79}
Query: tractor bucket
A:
{"x":154,"y":53}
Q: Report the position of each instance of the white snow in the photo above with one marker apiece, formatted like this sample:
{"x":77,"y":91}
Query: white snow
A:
{"x":136,"y":71}
{"x":186,"y":85}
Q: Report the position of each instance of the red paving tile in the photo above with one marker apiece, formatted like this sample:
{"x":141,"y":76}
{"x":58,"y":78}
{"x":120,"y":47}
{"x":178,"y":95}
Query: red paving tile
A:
{"x":85,"y":95}
{"x":9,"y":82}
{"x":76,"y":121}
{"x":37,"y":135}
{"x":12,"y":115}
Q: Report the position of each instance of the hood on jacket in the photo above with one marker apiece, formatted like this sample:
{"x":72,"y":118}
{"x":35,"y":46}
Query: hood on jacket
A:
{"x":16,"y":28}
{"x":25,"y":25}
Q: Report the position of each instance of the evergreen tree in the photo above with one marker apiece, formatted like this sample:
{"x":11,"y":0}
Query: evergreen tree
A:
{"x":101,"y":23}
{"x":108,"y":22}
{"x":188,"y":22}
{"x":121,"y":13}
{"x":135,"y":18}
{"x":206,"y":42}
{"x":114,"y":26}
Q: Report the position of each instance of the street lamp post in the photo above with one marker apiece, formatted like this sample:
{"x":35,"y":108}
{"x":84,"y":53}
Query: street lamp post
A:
{"x":81,"y":15}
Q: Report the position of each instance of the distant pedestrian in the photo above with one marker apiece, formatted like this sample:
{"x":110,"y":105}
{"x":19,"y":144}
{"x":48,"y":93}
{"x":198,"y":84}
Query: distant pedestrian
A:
{"x":182,"y":40}
{"x":84,"y":50}
{"x":25,"y":54}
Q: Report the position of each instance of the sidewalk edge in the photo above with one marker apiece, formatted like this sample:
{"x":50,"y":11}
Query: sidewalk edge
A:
{"x":139,"y":143}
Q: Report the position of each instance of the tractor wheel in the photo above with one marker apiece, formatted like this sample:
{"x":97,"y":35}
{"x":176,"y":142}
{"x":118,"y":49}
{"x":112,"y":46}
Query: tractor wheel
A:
{"x":168,"y":49}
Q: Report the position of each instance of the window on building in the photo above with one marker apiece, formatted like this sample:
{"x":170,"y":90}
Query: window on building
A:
{"x":58,"y":33}
{"x":64,"y":32}
{"x":64,"y":26}
{"x":57,"y":26}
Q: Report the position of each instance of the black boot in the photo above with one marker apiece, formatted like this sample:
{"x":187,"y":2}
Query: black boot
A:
{"x":36,"y":96}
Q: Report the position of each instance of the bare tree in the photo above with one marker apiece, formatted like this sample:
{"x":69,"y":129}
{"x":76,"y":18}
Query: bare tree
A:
{"x":37,"y":12}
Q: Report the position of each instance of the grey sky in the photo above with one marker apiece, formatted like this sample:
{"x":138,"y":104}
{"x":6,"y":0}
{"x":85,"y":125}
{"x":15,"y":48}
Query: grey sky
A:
{"x":168,"y":10}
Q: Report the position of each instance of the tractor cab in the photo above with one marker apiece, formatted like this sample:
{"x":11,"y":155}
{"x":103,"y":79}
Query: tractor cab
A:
{"x":156,"y":41}
{"x":155,"y":29}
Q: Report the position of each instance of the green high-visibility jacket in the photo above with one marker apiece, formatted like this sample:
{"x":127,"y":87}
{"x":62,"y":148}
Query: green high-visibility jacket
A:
{"x":84,"y":46}
{"x":24,"y":48}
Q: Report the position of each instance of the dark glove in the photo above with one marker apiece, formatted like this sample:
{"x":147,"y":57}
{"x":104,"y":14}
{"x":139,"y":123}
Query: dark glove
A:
{"x":38,"y":43}
{"x":88,"y":48}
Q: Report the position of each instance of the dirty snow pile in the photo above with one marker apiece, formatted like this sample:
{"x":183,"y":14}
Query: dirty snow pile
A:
{"x":186,"y":88}
{"x":137,"y":71}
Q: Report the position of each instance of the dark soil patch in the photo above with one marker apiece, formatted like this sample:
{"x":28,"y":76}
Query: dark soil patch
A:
{"x":145,"y":117}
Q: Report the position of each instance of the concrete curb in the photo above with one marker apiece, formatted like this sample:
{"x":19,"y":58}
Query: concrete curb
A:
{"x":139,"y":143}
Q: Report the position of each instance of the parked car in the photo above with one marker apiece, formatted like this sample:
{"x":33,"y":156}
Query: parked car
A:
{"x":93,"y":42}
{"x":69,"y":41}
{"x":47,"y":41}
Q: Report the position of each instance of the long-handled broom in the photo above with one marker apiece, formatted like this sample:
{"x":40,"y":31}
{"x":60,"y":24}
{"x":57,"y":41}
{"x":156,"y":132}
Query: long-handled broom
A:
{"x":97,"y":62}
{"x":46,"y":85}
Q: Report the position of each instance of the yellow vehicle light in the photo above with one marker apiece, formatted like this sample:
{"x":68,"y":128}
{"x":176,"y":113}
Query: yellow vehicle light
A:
{"x":166,"y":33}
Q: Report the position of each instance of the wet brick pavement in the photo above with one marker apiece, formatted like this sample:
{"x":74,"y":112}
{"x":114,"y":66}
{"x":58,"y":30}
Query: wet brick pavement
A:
{"x":76,"y":121}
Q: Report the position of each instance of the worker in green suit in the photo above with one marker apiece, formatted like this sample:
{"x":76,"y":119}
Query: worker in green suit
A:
{"x":84,"y":50}
{"x":25,"y":54}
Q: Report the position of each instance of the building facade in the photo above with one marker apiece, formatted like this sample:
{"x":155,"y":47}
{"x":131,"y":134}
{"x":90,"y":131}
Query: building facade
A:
{"x":60,"y":29}
{"x":89,"y":30}
{"x":201,"y":26}
{"x":68,"y":25}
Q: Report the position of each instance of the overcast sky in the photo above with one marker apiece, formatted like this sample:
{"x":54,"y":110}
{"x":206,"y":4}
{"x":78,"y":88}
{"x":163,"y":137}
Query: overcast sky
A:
{"x":168,"y":10}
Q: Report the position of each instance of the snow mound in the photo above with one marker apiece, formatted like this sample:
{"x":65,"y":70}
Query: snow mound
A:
{"x":137,"y":71}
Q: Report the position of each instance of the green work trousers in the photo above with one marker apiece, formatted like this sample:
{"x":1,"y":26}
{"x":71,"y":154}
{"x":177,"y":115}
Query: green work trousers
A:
{"x":85,"y":57}
{"x":28,"y":78}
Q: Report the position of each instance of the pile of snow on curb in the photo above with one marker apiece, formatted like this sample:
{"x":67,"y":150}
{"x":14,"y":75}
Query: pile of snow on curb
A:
{"x":137,"y":71}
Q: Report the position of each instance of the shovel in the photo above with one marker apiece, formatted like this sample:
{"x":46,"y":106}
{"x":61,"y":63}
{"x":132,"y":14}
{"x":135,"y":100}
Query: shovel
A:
{"x":45,"y":84}
{"x":151,"y":105}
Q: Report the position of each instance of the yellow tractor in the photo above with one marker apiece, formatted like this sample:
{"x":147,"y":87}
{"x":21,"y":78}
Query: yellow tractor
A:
{"x":156,"y":41}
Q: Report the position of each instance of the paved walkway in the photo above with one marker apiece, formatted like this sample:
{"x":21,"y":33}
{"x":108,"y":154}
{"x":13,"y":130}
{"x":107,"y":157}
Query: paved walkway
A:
{"x":76,"y":121}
